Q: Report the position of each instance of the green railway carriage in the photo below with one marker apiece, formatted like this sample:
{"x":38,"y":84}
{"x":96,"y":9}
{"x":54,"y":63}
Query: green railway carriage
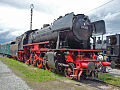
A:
{"x":5,"y":48}
{"x":9,"y":49}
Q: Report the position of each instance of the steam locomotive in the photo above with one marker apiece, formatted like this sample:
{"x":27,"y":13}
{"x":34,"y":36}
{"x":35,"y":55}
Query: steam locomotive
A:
{"x":63,"y":46}
{"x":111,"y":45}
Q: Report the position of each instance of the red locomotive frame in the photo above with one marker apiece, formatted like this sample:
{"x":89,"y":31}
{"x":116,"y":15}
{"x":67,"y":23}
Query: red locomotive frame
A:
{"x":81,"y":63}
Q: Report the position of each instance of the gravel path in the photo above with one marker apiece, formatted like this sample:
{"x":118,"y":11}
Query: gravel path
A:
{"x":9,"y":81}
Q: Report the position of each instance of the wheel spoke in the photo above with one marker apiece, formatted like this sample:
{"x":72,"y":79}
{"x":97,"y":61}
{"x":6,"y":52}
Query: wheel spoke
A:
{"x":28,"y":61}
{"x":69,"y":71}
{"x":39,"y":62}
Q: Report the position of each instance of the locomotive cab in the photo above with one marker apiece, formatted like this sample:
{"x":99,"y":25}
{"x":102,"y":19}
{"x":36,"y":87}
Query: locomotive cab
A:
{"x":113,"y":47}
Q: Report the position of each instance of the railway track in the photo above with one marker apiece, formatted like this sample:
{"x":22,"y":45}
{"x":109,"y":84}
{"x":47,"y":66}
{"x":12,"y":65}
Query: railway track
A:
{"x":103,"y":82}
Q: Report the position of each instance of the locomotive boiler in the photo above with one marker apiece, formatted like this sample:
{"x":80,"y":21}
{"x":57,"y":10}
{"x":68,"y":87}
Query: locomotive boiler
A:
{"x":71,"y":30}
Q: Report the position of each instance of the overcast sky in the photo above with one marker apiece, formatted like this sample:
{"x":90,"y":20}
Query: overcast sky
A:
{"x":15,"y":14}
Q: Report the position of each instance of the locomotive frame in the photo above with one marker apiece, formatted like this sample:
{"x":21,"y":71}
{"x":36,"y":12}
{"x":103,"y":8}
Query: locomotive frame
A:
{"x":73,"y":66}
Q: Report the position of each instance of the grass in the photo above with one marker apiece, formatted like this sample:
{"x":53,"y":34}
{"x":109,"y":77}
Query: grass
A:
{"x":109,"y":78}
{"x":34,"y":74}
{"x":31,"y":73}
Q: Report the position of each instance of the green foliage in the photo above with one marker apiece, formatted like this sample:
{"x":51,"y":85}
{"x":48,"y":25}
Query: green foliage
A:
{"x":31,"y":73}
{"x":109,"y":78}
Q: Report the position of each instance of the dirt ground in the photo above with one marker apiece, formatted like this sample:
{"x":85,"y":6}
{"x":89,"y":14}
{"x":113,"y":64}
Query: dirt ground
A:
{"x":60,"y":85}
{"x":66,"y":84}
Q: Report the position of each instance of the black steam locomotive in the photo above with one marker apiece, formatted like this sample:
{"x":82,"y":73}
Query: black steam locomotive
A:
{"x":71,"y":31}
{"x":64,"y":45}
